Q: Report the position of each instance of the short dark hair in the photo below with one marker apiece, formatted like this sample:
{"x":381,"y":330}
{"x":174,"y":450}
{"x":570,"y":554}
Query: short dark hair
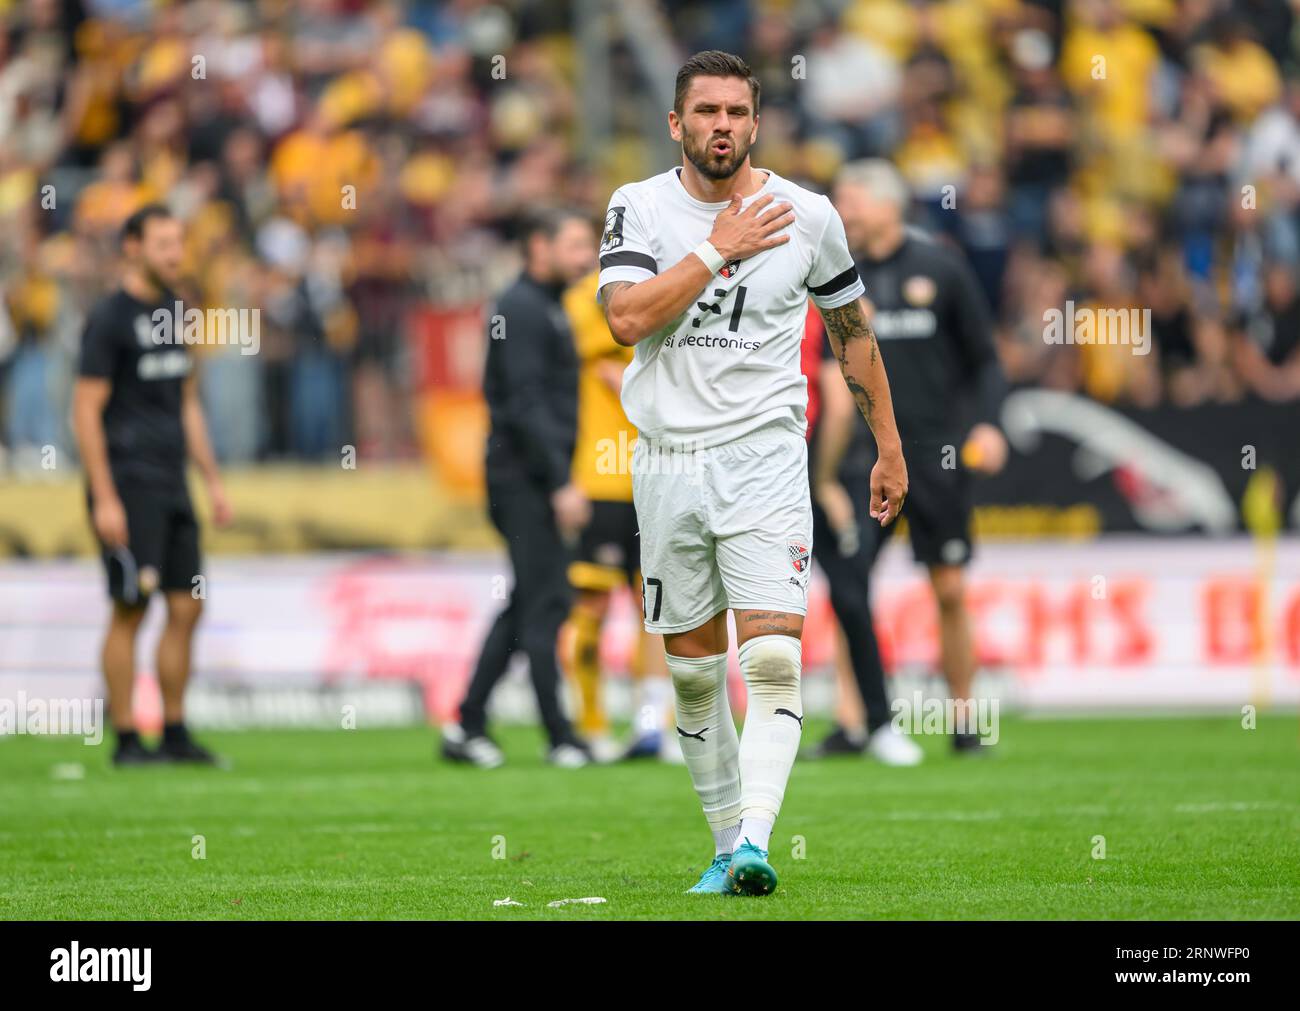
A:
{"x":547,"y":221}
{"x":713,"y":63}
{"x":135,"y":224}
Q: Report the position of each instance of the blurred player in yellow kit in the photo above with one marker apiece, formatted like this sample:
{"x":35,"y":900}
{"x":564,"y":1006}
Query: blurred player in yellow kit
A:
{"x":608,"y":554}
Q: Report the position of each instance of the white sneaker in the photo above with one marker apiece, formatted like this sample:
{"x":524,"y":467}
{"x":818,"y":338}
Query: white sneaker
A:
{"x":888,"y":746}
{"x":566,"y":756}
{"x":604,"y":750}
{"x":479,"y":751}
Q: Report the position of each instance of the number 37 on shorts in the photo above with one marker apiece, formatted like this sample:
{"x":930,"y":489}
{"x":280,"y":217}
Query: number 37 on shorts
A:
{"x":734,"y":533}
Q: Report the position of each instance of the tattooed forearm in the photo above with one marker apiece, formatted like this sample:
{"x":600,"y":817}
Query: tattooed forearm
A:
{"x":846,"y":326}
{"x":607,"y":293}
{"x":863,"y":367}
{"x":866,"y":403}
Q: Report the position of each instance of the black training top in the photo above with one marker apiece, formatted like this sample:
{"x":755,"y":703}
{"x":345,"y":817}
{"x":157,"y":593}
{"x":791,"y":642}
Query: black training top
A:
{"x":935,"y":333}
{"x":142,"y":420}
{"x":530,"y":382}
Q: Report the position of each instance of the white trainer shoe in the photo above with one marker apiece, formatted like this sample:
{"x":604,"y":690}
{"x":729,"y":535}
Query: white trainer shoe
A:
{"x":480,"y":751}
{"x":566,"y":756}
{"x":604,"y":750}
{"x":888,"y":746}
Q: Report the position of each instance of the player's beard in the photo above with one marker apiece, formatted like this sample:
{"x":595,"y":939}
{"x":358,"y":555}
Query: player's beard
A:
{"x":709,"y":164}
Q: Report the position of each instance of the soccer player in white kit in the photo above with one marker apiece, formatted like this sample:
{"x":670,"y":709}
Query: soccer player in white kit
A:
{"x":707,"y":270}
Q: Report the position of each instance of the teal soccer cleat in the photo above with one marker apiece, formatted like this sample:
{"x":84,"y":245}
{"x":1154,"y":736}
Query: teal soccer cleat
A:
{"x":749,"y":872}
{"x":714,"y":879}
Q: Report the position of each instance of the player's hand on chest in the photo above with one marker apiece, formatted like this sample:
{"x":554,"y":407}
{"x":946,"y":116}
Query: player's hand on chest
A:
{"x":779,"y":262}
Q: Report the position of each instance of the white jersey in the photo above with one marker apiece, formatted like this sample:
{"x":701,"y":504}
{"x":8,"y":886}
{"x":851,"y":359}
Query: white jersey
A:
{"x":729,"y":365}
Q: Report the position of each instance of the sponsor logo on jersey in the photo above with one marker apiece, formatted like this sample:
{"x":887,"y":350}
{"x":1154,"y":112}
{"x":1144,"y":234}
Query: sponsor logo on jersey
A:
{"x":904,"y":323}
{"x":690,"y":340}
{"x":612,"y":237}
{"x":144,"y":333}
{"x":799,"y":555}
{"x":173,"y":364}
{"x":920,"y":290}
{"x":730,"y":270}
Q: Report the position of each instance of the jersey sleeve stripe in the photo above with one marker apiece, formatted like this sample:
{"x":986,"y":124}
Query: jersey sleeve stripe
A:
{"x":836,"y":284}
{"x":628,"y":258}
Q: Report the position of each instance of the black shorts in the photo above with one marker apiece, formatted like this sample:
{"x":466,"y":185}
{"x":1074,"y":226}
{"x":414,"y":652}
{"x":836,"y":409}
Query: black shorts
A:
{"x":937,"y":509}
{"x":162,"y":551}
{"x":609,"y":550}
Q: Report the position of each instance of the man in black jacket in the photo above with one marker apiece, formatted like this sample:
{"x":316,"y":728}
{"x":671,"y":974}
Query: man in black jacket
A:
{"x":936,"y":338}
{"x":530,"y":382}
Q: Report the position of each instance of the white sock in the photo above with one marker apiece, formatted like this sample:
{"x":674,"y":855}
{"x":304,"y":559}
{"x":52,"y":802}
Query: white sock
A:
{"x":773,"y":723}
{"x":757,"y":830}
{"x":707,"y":734}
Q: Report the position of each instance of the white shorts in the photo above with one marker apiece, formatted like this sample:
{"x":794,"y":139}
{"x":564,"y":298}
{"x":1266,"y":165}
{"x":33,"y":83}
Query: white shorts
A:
{"x":727,"y":527}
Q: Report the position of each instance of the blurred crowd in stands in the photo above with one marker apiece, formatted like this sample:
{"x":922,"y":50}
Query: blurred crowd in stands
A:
{"x":343,"y":164}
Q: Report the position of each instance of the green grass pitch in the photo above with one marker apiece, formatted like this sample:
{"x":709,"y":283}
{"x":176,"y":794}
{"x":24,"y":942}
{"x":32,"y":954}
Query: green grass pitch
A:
{"x":1201,"y":819}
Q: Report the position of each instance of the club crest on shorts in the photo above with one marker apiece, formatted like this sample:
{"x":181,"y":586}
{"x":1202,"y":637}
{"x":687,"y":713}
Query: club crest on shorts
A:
{"x":798,"y":555}
{"x":147,"y":580}
{"x":730,"y":270}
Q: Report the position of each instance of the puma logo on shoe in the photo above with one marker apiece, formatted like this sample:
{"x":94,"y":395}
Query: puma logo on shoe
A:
{"x":698,"y":736}
{"x":786,"y":712}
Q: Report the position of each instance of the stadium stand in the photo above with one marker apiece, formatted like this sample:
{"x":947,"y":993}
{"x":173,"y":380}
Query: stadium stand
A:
{"x":359,"y":170}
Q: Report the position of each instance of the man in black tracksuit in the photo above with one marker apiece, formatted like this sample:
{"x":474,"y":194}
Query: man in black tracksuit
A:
{"x":935,"y":334}
{"x":530,"y":383}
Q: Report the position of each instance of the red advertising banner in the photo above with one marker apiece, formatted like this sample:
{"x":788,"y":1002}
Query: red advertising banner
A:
{"x":1125,"y":622}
